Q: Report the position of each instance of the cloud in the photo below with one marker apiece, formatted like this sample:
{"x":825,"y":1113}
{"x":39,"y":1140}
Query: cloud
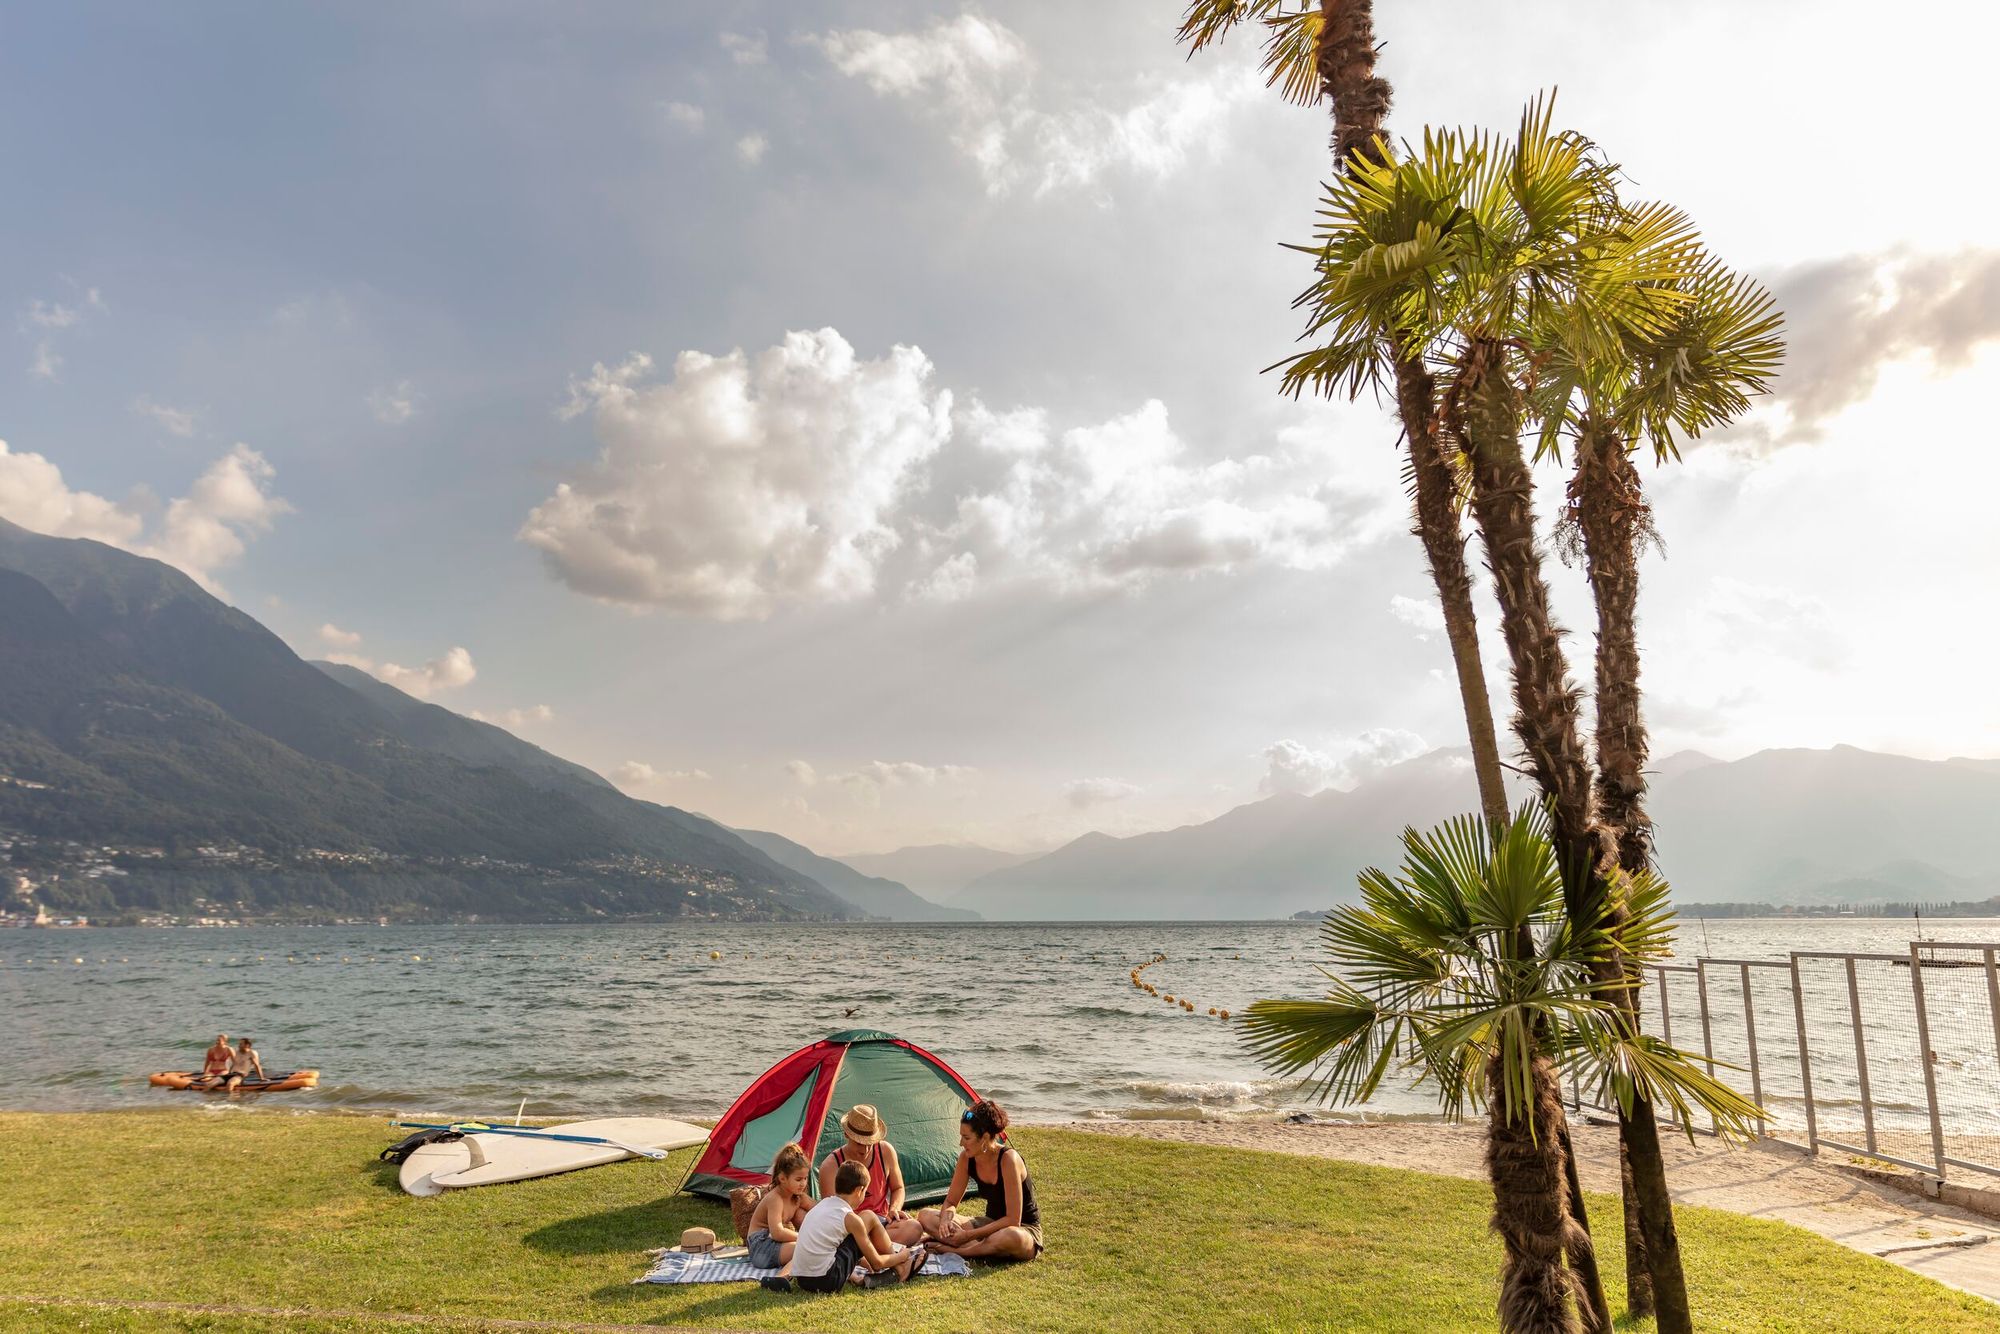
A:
{"x":1421,"y":615}
{"x":54,"y":315}
{"x":684,"y":115}
{"x":976,"y":74}
{"x":528,"y":717}
{"x":330,"y":633}
{"x":746,"y":48}
{"x":637,"y":773}
{"x":174,"y":421}
{"x":801,"y":772}
{"x":394,"y":404}
{"x":1781,"y":621}
{"x":449,"y":672}
{"x":899,"y":773}
{"x":1849,"y":317}
{"x":807,"y":474}
{"x":750,"y":149}
{"x":47,"y":362}
{"x":1084,"y":793}
{"x":743,"y":482}
{"x":1294,"y":767}
{"x":199,"y":532}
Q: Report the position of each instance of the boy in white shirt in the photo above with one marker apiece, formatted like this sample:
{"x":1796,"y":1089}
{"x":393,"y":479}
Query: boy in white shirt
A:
{"x":837,"y":1235}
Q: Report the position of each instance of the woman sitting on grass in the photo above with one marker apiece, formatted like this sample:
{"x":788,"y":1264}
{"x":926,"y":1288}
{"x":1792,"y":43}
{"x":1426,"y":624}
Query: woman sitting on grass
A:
{"x":774,"y":1226}
{"x":994,"y":1171}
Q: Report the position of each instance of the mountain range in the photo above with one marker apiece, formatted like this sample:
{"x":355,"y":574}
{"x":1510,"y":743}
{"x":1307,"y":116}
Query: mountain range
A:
{"x":1780,"y":827}
{"x":159,"y":748}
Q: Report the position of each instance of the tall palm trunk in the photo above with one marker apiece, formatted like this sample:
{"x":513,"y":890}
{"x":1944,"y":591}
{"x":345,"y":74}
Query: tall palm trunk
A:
{"x":1531,"y":1207}
{"x":1611,"y":522}
{"x":1345,"y":58}
{"x":1486,"y":414}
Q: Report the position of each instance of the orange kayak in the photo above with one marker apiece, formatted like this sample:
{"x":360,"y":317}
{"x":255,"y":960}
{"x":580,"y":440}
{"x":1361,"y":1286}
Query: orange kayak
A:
{"x":185,"y":1080}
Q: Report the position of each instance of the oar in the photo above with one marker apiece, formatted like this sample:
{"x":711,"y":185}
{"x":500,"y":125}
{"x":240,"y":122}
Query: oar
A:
{"x":481,"y":1128}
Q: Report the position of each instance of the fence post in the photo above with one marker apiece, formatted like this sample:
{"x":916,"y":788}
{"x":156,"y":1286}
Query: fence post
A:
{"x":1666,"y":1029}
{"x":1860,"y":1054}
{"x":1805,"y":1058}
{"x":1707,"y":1039}
{"x":1993,"y":999}
{"x":1925,"y":1055}
{"x":1750,"y":1032}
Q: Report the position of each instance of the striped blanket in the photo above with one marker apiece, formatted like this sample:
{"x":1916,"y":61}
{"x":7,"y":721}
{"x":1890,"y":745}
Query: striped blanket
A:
{"x":731,"y":1264}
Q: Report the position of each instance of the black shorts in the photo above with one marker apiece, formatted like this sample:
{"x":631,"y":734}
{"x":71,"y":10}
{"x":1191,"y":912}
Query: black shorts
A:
{"x":845,"y":1257}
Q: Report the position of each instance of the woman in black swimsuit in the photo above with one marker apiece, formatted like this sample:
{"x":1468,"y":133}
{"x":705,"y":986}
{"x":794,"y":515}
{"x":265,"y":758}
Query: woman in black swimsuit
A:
{"x":989,"y":1169}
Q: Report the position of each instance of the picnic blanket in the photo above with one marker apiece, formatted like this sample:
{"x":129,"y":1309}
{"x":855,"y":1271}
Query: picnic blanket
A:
{"x":731,"y":1264}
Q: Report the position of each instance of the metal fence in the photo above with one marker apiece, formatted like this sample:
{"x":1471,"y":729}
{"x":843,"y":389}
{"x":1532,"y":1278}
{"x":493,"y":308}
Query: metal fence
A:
{"x":1894,"y":1057}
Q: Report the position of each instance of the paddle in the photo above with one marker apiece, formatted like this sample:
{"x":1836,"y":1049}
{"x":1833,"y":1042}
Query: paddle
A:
{"x":481,"y":1128}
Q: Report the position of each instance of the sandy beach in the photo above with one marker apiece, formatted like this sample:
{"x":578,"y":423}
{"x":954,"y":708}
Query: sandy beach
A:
{"x":1767,"y":1179}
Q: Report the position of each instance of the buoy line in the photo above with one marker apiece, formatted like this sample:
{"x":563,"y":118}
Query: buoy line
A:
{"x":1183,"y":1002}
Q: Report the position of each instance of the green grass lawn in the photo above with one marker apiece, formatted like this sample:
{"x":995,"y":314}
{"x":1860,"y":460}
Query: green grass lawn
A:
{"x":263,"y":1208}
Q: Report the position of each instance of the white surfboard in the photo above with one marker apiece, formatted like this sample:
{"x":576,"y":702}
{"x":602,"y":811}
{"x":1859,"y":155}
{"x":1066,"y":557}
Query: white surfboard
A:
{"x":489,"y":1160}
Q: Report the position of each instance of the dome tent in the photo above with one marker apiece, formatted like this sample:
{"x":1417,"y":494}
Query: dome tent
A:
{"x":803,"y":1097}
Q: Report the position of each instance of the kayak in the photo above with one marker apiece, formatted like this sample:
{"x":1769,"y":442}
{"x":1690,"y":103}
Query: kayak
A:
{"x":184,"y":1081}
{"x":503,"y":1154}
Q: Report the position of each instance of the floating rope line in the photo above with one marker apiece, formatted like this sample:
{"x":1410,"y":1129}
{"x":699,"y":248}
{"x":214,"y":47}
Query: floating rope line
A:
{"x":1139,"y":981}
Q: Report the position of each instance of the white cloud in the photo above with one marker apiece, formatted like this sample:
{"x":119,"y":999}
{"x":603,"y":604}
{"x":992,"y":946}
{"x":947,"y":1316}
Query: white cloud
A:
{"x":744,"y":481}
{"x":684,"y":115}
{"x":750,"y":149}
{"x":976,"y":74}
{"x":394,"y":404}
{"x":746,"y":48}
{"x":528,"y":717}
{"x":1084,"y":793}
{"x":47,"y":362}
{"x":449,"y":672}
{"x":54,"y":315}
{"x":330,"y":633}
{"x":1294,"y":767}
{"x":801,"y":772}
{"x":807,"y":474}
{"x":200,"y":532}
{"x":1421,"y":615}
{"x":900,"y":773}
{"x":174,"y":421}
{"x":637,"y":773}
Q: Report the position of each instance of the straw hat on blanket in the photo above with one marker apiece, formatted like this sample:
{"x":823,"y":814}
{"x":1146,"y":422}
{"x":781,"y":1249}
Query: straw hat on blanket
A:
{"x":697,"y":1241}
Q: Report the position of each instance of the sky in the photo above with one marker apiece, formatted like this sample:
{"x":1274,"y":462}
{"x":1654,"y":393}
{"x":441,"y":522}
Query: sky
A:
{"x":849,"y":419}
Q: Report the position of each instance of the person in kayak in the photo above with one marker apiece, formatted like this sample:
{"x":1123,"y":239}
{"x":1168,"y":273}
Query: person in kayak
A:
{"x":242,"y":1062}
{"x":868,"y":1144}
{"x":990,"y":1169}
{"x":215,"y":1063}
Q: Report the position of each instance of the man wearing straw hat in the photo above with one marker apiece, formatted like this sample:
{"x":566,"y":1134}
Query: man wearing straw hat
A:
{"x":868,"y":1144}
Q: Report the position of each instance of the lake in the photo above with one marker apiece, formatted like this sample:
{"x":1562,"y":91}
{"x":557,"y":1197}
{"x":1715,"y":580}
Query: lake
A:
{"x":679,"y":1018}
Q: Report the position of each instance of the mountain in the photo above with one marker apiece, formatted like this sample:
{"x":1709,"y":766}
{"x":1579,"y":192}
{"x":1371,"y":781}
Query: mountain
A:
{"x":1781,"y":826}
{"x":872,"y":894}
{"x":158,"y":745}
{"x":936,"y":870}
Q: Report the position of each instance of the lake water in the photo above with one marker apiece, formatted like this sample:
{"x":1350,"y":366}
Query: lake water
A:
{"x":468,"y":1020}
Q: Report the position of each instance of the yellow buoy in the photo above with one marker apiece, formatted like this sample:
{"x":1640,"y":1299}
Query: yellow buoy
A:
{"x":715,"y":954}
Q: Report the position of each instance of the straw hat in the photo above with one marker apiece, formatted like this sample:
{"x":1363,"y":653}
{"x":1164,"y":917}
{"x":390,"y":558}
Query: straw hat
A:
{"x":697,"y":1240}
{"x":863,"y":1124}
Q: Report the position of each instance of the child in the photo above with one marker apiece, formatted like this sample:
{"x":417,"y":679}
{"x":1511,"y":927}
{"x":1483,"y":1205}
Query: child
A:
{"x":838,"y":1234}
{"x":774,"y":1226}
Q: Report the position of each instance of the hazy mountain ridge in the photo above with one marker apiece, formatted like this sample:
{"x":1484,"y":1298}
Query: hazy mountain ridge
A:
{"x":937,"y":871}
{"x":874,"y":895}
{"x":1781,"y":826}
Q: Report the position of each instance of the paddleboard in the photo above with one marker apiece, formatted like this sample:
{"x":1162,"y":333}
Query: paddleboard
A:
{"x":490,"y":1160}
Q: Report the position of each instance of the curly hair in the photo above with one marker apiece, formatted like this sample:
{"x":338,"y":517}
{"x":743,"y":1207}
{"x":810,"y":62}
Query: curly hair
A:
{"x":987,"y":1118}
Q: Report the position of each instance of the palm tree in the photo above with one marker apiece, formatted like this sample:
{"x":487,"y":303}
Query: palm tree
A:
{"x":1469,"y":959}
{"x":1325,"y":50}
{"x":1721,"y":348}
{"x":1466,"y":249}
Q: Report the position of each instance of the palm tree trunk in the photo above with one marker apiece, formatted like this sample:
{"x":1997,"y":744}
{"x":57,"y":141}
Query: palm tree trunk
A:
{"x":1486,"y":415}
{"x":1608,"y":512}
{"x":1524,"y":1161}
